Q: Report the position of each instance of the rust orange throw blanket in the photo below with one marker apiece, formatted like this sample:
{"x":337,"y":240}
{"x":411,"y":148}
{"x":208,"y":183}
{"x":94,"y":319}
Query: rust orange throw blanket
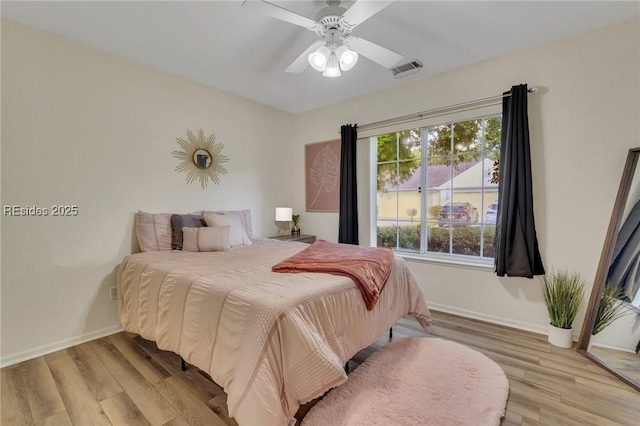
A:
{"x":369,"y":267}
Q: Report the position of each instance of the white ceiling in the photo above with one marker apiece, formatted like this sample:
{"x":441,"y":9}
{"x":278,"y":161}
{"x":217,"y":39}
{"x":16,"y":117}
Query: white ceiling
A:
{"x":241,"y":51}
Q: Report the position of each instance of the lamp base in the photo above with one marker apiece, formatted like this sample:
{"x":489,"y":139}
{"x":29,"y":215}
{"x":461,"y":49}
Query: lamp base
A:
{"x":283,"y":229}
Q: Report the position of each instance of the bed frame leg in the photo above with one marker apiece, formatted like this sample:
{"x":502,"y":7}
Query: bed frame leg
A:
{"x":183,"y":365}
{"x":391,"y":333}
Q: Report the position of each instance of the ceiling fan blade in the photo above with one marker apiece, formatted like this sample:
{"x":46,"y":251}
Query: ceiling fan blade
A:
{"x":281,"y":13}
{"x":362,"y":10}
{"x":385,"y":57}
{"x":302,"y":62}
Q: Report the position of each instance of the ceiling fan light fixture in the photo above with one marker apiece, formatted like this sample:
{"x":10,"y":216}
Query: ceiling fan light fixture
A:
{"x":347,"y":58}
{"x":334,"y":25}
{"x":318,"y":59}
{"x":333,"y":67}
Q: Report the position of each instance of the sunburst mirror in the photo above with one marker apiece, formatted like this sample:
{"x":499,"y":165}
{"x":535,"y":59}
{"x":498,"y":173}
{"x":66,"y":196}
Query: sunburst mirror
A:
{"x":201,"y":158}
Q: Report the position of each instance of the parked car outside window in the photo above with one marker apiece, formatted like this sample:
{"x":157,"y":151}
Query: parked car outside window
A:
{"x":492,"y":212}
{"x":458,"y":213}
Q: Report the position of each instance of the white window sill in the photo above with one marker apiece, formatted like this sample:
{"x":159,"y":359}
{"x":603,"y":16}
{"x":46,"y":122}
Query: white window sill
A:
{"x":455,"y":261}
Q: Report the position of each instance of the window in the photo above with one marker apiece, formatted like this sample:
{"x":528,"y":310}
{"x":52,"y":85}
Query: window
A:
{"x":437,"y":190}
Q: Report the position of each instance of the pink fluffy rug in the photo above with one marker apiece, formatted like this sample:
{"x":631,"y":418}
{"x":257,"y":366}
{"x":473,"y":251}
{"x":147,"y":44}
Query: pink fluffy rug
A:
{"x":417,"y":381}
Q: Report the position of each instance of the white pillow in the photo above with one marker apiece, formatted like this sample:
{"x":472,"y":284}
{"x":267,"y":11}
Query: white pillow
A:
{"x":154,"y":231}
{"x":237,"y":234}
{"x":244,"y":215}
{"x":206,"y":239}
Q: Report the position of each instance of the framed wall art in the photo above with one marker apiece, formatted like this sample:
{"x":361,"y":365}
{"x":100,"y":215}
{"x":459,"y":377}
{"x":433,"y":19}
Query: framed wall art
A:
{"x":322,"y":176}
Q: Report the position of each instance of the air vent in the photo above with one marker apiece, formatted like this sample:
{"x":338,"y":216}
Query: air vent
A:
{"x":406,"y":69}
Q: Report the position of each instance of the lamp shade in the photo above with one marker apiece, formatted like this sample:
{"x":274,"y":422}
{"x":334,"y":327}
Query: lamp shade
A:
{"x":347,"y":58}
{"x":318,"y":59}
{"x":333,"y":67}
{"x":284,"y":214}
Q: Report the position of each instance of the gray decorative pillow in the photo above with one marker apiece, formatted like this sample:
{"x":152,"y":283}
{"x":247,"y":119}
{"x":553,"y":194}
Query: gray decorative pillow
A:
{"x":179,"y":221}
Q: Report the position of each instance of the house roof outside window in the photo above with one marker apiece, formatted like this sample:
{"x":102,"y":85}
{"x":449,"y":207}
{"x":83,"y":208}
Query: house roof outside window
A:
{"x":438,"y":176}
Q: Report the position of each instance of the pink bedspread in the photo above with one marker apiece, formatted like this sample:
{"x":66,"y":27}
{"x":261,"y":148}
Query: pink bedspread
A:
{"x":368,"y":267}
{"x":272,"y":341}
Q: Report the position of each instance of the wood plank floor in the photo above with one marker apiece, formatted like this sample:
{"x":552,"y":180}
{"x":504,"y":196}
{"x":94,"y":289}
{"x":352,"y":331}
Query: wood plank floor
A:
{"x":124,"y":380}
{"x":627,"y":363}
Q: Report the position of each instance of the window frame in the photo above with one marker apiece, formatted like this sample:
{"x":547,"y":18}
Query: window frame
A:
{"x":475,"y":262}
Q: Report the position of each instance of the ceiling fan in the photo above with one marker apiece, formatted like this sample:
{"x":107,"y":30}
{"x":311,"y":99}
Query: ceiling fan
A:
{"x":337,"y":49}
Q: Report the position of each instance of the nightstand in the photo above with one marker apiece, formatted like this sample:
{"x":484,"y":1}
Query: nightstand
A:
{"x":309,"y":239}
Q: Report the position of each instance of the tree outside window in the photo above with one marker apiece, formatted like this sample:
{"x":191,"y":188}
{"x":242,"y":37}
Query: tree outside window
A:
{"x":457,"y":189}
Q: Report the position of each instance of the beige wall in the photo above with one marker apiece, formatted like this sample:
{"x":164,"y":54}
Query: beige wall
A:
{"x":83,"y":127}
{"x":582,"y":121}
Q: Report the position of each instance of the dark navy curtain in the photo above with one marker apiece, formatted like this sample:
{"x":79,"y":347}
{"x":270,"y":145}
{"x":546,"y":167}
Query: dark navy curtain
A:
{"x":517,"y":253}
{"x":348,"y":227}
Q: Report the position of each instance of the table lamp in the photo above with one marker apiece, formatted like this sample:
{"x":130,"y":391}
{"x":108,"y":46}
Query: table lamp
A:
{"x":283,"y":216}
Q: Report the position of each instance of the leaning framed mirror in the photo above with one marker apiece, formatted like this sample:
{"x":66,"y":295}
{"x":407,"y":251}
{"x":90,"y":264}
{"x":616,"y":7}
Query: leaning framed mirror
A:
{"x":618,"y":274}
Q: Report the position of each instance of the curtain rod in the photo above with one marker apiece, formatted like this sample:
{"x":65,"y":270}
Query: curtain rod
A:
{"x":432,"y":112}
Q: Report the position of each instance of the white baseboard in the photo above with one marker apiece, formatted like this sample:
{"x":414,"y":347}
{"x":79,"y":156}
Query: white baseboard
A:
{"x":67,"y":343}
{"x":56,"y":346}
{"x":608,"y":345}
{"x":534,"y":328}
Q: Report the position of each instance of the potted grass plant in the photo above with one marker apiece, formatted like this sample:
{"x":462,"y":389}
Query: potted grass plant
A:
{"x":610,"y":309}
{"x":563,"y":292}
{"x":295,"y":229}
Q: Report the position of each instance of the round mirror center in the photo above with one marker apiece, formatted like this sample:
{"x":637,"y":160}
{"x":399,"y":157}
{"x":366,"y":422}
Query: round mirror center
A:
{"x":202,"y":158}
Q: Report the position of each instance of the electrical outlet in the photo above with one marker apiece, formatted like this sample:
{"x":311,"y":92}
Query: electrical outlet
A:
{"x":113,"y":293}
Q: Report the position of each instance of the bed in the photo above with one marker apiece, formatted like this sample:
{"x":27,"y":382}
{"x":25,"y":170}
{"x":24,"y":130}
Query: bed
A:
{"x":273,"y":341}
